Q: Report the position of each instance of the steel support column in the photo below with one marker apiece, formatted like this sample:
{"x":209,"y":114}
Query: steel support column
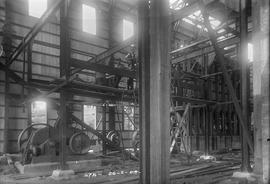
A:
{"x":153,"y":22}
{"x":244,"y":82}
{"x":64,"y":71}
{"x":261,"y":92}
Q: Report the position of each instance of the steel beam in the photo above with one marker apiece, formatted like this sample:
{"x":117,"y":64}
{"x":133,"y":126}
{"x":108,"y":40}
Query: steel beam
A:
{"x":206,"y":50}
{"x":34,"y":31}
{"x":221,"y":59}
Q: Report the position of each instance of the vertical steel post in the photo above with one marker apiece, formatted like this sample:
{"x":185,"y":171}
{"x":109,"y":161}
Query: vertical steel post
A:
{"x":244,"y":82}
{"x":153,"y":44}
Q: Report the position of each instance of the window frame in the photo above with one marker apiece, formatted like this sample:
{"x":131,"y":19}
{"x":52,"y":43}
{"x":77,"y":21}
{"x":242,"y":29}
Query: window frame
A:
{"x":83,"y":26}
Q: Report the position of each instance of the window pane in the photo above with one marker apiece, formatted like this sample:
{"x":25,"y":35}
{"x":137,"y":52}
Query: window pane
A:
{"x":39,"y":112}
{"x":36,"y":8}
{"x":89,"y":19}
{"x":128,"y":29}
{"x":250,"y":52}
{"x":90,"y":115}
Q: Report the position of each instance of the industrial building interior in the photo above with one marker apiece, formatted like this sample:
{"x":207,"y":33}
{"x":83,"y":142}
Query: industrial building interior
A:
{"x":134,"y":91}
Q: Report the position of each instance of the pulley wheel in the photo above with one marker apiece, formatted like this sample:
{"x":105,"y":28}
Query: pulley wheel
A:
{"x":79,"y":143}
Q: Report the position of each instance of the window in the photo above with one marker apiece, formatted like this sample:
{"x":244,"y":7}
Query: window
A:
{"x":128,"y":29}
{"x":250,"y":52}
{"x":89,"y":19}
{"x":90,"y":115}
{"x":36,"y":8}
{"x":129,"y":118}
{"x":39,"y":112}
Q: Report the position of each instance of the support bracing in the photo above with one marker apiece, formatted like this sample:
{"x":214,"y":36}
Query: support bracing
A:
{"x":222,"y":60}
{"x":34,"y":31}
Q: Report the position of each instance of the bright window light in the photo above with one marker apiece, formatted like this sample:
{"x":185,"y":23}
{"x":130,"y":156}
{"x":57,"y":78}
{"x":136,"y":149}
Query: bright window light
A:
{"x":199,"y":26}
{"x":36,"y":8}
{"x":90,"y":115}
{"x":188,"y":21}
{"x":250,"y":52}
{"x":197,"y":13}
{"x":89,"y":19}
{"x":177,"y":4}
{"x":39,"y":112}
{"x":221,"y":31}
{"x":214,"y":22}
{"x":128,"y":29}
{"x":229,"y":47}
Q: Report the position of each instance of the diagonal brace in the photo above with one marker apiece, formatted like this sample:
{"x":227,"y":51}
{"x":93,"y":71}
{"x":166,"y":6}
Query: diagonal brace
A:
{"x":34,"y":31}
{"x":222,"y":60}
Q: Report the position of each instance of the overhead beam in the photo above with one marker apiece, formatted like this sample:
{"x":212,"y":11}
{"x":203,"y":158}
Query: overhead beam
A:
{"x":106,"y":54}
{"x":102,"y":68}
{"x":206,"y":50}
{"x":34,"y":31}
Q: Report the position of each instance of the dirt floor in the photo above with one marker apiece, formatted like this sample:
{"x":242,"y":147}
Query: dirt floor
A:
{"x":196,"y":168}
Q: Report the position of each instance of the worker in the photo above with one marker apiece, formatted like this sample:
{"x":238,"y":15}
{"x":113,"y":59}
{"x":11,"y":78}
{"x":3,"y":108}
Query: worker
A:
{"x":130,"y":57}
